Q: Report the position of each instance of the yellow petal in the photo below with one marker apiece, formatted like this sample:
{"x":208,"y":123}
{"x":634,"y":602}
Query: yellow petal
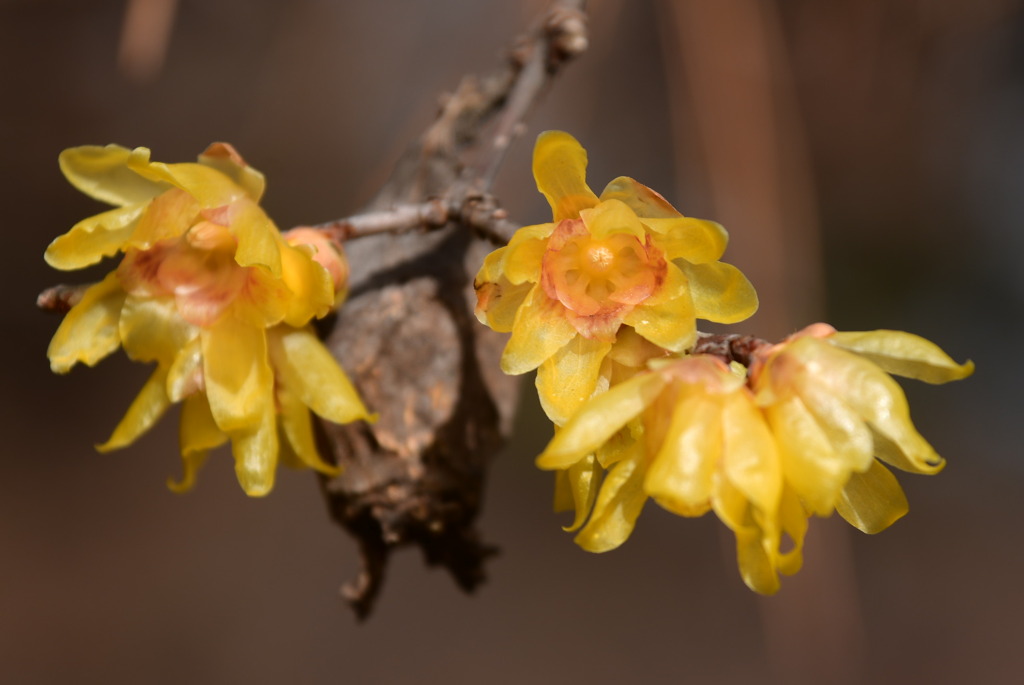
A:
{"x":569,"y":377}
{"x":297,"y":425}
{"x":721,"y":293}
{"x":560,"y":168}
{"x":168,"y":216}
{"x":582,"y":480}
{"x":756,"y":565}
{"x":540,"y":329}
{"x":185,"y":375}
{"x":610,"y":218}
{"x":307,"y":368}
{"x":92,"y":239}
{"x":255,"y":452}
{"x":208,"y":186}
{"x":144,"y":412}
{"x":641,"y":199}
{"x":750,"y":459}
{"x":89,"y":331}
{"x":810,"y":465}
{"x":105,"y":173}
{"x":618,"y":505}
{"x":599,"y":419}
{"x":872,"y":501}
{"x":312,"y":290}
{"x":521,"y":260}
{"x":197,"y":435}
{"x":681,"y":476}
{"x":671,"y":324}
{"x":793,"y":520}
{"x":847,"y":433}
{"x":224,"y":158}
{"x":152,"y":330}
{"x":904,"y":354}
{"x":259,"y":242}
{"x":498,"y":301}
{"x":239,"y":382}
{"x":698,"y":241}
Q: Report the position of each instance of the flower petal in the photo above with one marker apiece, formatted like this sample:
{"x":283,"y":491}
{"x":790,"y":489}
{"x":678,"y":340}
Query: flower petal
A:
{"x":641,"y":199}
{"x":92,"y":239}
{"x":152,"y":330}
{"x":618,"y":505}
{"x":498,"y":301}
{"x":560,"y":167}
{"x":671,"y":324}
{"x":259,"y":242}
{"x":168,"y":216}
{"x":106,"y":174}
{"x":208,"y":186}
{"x":239,"y":381}
{"x":312,"y":290}
{"x":721,"y":293}
{"x":599,"y":419}
{"x":197,"y":435}
{"x":521,"y":259}
{"x":698,"y":241}
{"x":297,"y":425}
{"x":566,"y":379}
{"x":582,"y":481}
{"x":225,"y":158}
{"x":750,"y":458}
{"x":872,"y":501}
{"x":681,"y":476}
{"x":144,"y":412}
{"x":307,"y":368}
{"x":540,"y":329}
{"x":610,"y":218}
{"x":255,"y":452}
{"x":89,"y":331}
{"x":904,"y":354}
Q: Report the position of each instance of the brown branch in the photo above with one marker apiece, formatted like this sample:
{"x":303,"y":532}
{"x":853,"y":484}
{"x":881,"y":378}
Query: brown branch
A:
{"x":733,"y":347}
{"x":60,"y":298}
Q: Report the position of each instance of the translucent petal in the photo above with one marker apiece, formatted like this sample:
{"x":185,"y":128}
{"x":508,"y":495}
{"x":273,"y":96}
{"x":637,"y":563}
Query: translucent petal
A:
{"x":599,"y":419}
{"x":208,"y":186}
{"x":721,"y":293}
{"x":259,"y":242}
{"x":810,"y":466}
{"x":755,"y":563}
{"x":152,"y":330}
{"x":307,"y":369}
{"x":89,"y":332}
{"x":144,"y":412}
{"x":904,"y":354}
{"x":750,"y":459}
{"x":224,"y":158}
{"x":197,"y":434}
{"x":498,"y":301}
{"x":540,"y":329}
{"x":671,"y":324}
{"x":239,"y":382}
{"x":569,"y":377}
{"x":105,"y":173}
{"x":312,"y":290}
{"x":681,"y":476}
{"x":92,"y":239}
{"x":168,"y":216}
{"x":641,"y":199}
{"x":618,"y":505}
{"x":297,"y":425}
{"x":845,"y":430}
{"x":560,"y":167}
{"x":793,"y":520}
{"x":583,"y":480}
{"x":698,"y":241}
{"x":872,"y":501}
{"x":521,"y":260}
{"x":185,"y":375}
{"x":255,"y":452}
{"x":611,"y":218}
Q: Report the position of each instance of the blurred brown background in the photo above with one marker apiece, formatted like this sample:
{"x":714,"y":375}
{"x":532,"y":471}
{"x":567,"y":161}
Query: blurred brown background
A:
{"x":867,"y":157}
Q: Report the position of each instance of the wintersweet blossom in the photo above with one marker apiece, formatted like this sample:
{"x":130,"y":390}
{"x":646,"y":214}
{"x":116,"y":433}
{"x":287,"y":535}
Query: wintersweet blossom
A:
{"x":626,"y":259}
{"x":213,"y":294}
{"x":838,"y":417}
{"x":687,"y":434}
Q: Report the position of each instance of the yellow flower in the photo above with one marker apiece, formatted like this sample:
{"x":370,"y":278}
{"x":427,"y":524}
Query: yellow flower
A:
{"x":837,"y":416}
{"x":565,"y":290}
{"x":687,"y":434}
{"x":210,"y":291}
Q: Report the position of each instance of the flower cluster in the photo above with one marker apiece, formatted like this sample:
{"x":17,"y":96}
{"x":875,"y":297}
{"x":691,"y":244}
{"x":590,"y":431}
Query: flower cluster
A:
{"x":211,"y":292}
{"x":603,"y":302}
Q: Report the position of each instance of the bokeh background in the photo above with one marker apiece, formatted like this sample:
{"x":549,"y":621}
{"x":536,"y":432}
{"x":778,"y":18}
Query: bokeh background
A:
{"x":867,"y":157}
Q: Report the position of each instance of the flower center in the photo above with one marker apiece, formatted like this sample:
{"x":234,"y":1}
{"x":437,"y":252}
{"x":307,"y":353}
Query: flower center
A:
{"x":593,"y":277}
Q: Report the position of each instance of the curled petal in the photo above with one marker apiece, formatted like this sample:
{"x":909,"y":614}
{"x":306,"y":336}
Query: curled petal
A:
{"x":225,"y":158}
{"x":208,"y":186}
{"x":610,"y":218}
{"x":750,"y":458}
{"x":793,"y":520}
{"x":638,"y":197}
{"x":721,"y":293}
{"x":599,"y":420}
{"x":152,"y":330}
{"x":168,"y":216}
{"x":311,"y":286}
{"x":197,"y":435}
{"x":144,"y":412}
{"x":255,"y":450}
{"x":569,"y":377}
{"x":904,"y":354}
{"x":259,"y":243}
{"x":498,"y":301}
{"x":239,"y":381}
{"x":106,"y":174}
{"x":576,"y":490}
{"x":540,"y":329}
{"x":185,"y":376}
{"x":92,"y":239}
{"x":698,"y":241}
{"x":681,"y":476}
{"x":812,"y":468}
{"x":671,"y":324}
{"x":89,"y":332}
{"x":560,"y":167}
{"x":297,"y":425}
{"x":618,"y":505}
{"x":872,"y":501}
{"x":308,"y":369}
{"x":521,"y":260}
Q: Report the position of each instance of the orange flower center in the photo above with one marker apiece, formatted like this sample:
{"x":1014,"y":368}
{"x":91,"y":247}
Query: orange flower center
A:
{"x":596,"y":277}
